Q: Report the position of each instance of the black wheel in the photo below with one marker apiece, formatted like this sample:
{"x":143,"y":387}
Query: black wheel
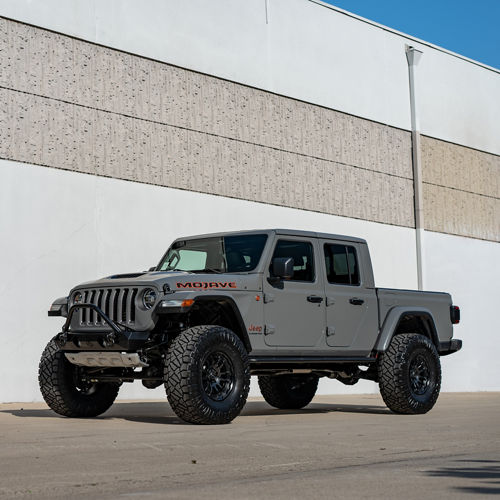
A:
{"x":410,"y":374}
{"x":288,"y":391}
{"x":64,"y":390}
{"x":207,"y":375}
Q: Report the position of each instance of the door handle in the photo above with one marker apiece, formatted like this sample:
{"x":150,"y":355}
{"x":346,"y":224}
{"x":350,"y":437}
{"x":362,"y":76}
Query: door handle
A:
{"x":356,"y":302}
{"x":315,"y":299}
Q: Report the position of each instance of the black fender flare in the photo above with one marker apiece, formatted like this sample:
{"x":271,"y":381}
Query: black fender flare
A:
{"x":393,"y":320}
{"x":243,"y":334}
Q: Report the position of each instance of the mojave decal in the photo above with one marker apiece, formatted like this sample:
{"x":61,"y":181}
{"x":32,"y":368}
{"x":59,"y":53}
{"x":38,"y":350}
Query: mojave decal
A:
{"x":204,"y":285}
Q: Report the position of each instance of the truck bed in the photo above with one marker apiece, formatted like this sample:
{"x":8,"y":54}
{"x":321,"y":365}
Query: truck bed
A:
{"x":436,"y":303}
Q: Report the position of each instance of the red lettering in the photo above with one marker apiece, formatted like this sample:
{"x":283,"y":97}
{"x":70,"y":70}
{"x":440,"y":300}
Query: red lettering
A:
{"x":205,"y":285}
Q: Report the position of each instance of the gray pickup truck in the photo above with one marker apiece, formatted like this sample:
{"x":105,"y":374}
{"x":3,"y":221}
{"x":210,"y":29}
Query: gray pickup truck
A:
{"x":287,"y":306}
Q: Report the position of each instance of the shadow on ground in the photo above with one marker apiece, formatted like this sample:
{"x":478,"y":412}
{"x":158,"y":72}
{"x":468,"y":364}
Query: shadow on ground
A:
{"x":161,"y":413}
{"x":484,"y":475}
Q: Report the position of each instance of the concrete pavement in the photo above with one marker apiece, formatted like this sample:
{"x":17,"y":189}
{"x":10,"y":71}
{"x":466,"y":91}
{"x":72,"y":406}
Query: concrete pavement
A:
{"x":338,"y":447}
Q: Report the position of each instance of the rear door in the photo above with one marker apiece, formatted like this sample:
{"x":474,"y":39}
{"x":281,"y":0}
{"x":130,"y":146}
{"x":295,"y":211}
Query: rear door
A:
{"x":294,"y":310}
{"x":351,"y":308}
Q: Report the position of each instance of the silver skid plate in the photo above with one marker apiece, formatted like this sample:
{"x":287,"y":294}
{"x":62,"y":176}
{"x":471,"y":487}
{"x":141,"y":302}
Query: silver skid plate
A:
{"x":105,"y":359}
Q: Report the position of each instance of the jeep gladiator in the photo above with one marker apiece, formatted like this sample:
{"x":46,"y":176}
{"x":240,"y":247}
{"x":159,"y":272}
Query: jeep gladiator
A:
{"x":287,"y":306}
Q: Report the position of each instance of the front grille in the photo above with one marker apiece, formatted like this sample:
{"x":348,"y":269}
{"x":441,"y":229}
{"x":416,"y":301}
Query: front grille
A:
{"x":116,"y":303}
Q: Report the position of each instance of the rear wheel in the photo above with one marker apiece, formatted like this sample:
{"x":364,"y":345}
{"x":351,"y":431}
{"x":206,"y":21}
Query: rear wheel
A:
{"x":64,"y":390}
{"x":410,"y":374}
{"x":207,"y":375}
{"x":288,"y":391}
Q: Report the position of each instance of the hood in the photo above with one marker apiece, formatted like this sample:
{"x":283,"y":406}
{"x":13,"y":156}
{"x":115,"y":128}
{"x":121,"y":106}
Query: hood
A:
{"x":177,"y":281}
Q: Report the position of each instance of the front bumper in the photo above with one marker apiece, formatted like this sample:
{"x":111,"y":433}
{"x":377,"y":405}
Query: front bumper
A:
{"x":449,"y":347}
{"x":114,"y":338}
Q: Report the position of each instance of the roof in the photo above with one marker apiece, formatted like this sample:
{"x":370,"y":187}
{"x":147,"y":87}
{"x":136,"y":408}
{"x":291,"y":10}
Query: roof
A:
{"x":284,"y":232}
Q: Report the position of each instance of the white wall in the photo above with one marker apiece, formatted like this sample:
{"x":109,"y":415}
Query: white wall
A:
{"x":305,"y":50}
{"x":469,"y":270}
{"x":61,"y":228}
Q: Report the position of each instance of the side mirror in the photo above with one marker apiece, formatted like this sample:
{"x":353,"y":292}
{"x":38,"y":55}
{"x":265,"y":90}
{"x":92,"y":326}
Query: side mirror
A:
{"x":152,"y":269}
{"x":283,"y":267}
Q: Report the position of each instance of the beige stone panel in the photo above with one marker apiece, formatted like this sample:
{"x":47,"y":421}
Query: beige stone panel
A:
{"x":463,"y":168}
{"x":62,"y":135}
{"x":56,"y":66}
{"x":21,"y":134}
{"x":464,"y":214}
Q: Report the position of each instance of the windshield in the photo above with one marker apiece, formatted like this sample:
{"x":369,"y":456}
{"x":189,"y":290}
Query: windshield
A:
{"x":228,"y":254}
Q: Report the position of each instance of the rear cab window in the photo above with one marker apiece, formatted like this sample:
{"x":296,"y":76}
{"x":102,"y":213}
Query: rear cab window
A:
{"x":341,"y":263}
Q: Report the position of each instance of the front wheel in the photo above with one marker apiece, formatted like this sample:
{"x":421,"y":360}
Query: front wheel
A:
{"x":207,"y":375}
{"x":410,"y":374}
{"x":64,"y":390}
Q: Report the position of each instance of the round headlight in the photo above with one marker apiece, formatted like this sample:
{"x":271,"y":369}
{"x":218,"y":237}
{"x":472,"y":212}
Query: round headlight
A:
{"x":149,"y":298}
{"x":77,"y":298}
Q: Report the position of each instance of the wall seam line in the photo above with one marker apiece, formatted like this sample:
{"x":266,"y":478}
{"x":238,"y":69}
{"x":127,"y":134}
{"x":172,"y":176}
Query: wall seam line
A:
{"x":462,"y":190}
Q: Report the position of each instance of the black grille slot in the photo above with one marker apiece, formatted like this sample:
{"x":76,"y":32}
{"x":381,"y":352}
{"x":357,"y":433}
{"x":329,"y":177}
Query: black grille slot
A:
{"x":132,"y":305}
{"x":107,"y":295}
{"x":115,"y":305}
{"x":99,"y":305}
{"x":92,"y":313}
{"x":124,"y":305}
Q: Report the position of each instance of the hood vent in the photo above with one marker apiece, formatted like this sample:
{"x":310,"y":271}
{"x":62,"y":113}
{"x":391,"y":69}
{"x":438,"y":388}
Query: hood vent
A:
{"x":124,"y":276}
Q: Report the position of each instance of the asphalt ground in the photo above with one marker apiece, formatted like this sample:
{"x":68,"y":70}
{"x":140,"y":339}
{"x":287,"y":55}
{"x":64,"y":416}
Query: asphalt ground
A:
{"x":338,"y":447}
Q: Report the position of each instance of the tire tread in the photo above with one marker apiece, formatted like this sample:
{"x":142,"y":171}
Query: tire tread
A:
{"x":181,"y":384}
{"x":392,"y":374}
{"x":58,"y":393}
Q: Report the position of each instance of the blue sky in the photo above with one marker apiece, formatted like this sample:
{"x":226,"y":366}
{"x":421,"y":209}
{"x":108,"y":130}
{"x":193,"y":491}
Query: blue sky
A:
{"x":468,"y":27}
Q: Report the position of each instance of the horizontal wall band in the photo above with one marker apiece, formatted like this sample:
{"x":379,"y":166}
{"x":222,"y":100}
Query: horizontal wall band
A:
{"x":460,"y":213}
{"x":97,"y":110}
{"x":202,"y":132}
{"x":41,"y":131}
{"x":459,"y":167}
{"x":52,"y":65}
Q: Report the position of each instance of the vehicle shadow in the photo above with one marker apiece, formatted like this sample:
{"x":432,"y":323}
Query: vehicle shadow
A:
{"x":161,"y":413}
{"x":484,"y":475}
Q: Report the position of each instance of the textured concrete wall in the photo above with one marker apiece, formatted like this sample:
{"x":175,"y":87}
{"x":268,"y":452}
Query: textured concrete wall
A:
{"x":461,"y":190}
{"x":70,"y":104}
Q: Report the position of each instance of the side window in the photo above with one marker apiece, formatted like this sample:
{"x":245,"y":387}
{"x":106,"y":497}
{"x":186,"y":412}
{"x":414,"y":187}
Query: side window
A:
{"x":341,"y":264}
{"x":303,"y":260}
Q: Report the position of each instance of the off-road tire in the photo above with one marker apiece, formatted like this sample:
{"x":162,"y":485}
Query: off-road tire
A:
{"x":405,"y":354}
{"x":186,"y":375}
{"x":288,"y":392}
{"x":56,"y":377}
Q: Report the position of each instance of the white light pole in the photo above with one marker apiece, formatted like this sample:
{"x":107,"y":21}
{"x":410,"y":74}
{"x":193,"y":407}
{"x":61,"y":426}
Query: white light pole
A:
{"x":413,"y":57}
